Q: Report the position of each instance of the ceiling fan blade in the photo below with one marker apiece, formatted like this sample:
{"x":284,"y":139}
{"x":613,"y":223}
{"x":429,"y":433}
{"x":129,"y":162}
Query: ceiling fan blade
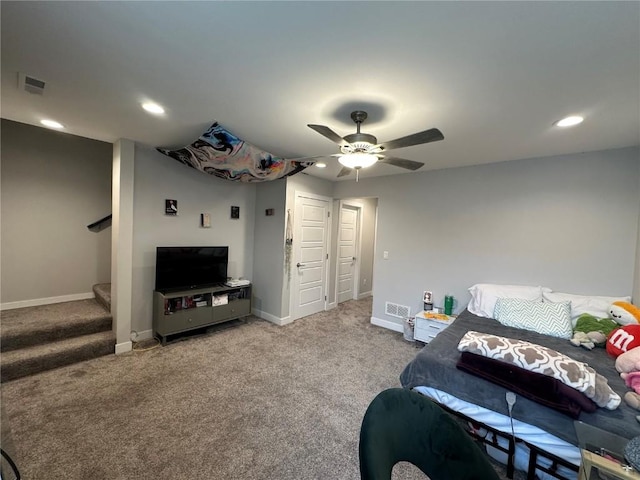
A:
{"x":345,"y":171}
{"x":401,"y":162}
{"x":431,"y":135}
{"x":328,"y":133}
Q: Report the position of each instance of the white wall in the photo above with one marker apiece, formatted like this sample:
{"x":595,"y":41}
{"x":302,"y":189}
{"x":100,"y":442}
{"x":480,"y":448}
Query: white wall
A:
{"x":158,"y":177}
{"x":53,"y":185}
{"x":567,"y":222}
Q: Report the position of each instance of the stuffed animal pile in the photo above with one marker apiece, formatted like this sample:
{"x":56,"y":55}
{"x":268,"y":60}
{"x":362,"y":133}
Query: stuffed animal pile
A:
{"x":627,"y":337}
{"x":628,"y":364}
{"x":590,"y":331}
{"x":624,"y":344}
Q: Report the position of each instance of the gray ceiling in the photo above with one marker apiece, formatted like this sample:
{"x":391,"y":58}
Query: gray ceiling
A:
{"x":492,"y":76}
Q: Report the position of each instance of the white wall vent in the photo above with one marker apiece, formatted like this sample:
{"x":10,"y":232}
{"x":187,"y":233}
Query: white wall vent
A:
{"x":396,"y":310}
{"x":30,"y":84}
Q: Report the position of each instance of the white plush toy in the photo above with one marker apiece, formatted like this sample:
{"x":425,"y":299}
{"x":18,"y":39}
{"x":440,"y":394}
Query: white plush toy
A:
{"x":624,"y":313}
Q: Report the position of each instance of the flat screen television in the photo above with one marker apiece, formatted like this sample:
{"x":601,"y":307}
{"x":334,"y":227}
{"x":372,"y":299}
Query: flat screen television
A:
{"x":185,"y":268}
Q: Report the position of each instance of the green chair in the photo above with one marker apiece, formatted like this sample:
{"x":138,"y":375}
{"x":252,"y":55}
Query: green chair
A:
{"x":402,"y":425}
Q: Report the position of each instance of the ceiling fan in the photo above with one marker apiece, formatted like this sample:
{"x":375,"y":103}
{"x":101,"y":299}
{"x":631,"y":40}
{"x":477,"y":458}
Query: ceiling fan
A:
{"x":361,"y":150}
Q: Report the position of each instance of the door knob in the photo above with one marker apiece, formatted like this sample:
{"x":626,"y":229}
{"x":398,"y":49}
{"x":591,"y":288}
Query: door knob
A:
{"x":300,"y":265}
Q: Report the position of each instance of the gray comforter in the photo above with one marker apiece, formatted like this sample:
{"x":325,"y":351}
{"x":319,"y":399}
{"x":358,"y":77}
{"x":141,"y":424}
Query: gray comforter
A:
{"x":435,"y":366}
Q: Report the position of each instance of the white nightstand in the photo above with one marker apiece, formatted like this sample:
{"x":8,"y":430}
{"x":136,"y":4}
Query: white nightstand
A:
{"x":426,"y":329}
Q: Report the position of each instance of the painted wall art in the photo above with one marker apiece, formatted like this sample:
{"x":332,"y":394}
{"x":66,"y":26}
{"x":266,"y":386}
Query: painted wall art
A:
{"x":218,"y":152}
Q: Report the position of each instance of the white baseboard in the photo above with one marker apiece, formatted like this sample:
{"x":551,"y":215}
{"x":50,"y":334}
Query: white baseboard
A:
{"x":46,"y":301}
{"x":271,"y":318}
{"x":123,"y":347}
{"x":396,"y":327}
{"x":365,"y":295}
{"x":332,"y":305}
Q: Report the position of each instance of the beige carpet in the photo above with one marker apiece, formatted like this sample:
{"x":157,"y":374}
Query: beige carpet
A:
{"x":252,"y":401}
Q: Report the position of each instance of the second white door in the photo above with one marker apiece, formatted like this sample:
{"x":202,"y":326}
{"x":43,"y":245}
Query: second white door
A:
{"x":347,"y":252}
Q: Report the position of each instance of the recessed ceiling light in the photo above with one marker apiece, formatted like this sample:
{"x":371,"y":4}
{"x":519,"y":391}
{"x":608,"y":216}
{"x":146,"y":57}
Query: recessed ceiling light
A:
{"x":569,"y":121}
{"x":153,"y":108}
{"x":321,"y":165}
{"x":51,"y":124}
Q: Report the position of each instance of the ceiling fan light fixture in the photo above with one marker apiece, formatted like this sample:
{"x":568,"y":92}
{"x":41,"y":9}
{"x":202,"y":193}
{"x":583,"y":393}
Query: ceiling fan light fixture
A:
{"x":358,"y":160}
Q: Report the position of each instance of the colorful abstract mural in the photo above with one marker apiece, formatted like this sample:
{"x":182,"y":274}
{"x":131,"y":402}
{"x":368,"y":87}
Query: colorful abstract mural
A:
{"x":218,"y":152}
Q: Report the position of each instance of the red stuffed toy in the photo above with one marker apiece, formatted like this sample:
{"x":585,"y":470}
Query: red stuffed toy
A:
{"x":623,"y":339}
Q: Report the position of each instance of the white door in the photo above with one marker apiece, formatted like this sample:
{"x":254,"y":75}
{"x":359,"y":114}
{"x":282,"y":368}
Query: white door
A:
{"x":347,"y":252}
{"x":309,"y":269}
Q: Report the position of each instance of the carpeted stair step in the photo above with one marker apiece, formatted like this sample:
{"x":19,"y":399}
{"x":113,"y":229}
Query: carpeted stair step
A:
{"x":102,"y":291}
{"x":26,"y":327}
{"x":28,"y":361}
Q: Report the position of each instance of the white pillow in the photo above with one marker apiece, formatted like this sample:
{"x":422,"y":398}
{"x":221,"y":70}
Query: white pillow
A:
{"x":485,"y":295}
{"x":547,"y":318}
{"x":598,"y":306}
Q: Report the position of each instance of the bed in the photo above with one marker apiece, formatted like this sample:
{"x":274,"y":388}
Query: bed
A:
{"x":546,"y":432}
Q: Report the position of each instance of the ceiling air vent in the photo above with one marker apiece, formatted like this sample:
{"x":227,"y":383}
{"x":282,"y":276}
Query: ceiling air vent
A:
{"x":396,"y":310}
{"x":30,"y":84}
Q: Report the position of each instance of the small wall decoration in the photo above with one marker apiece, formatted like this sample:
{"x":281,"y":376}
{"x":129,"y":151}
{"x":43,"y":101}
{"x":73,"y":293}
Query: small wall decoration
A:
{"x":235,"y":212}
{"x":205,"y":220}
{"x":171,"y":207}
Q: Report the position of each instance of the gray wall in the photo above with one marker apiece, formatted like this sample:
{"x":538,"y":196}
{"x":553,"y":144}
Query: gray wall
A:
{"x":53,"y":185}
{"x":367,"y":245}
{"x":636,"y":282}
{"x":158,"y":177}
{"x":567,"y":222}
{"x":268,"y":259}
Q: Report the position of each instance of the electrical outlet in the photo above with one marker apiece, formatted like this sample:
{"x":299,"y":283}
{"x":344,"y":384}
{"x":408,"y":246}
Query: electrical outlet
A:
{"x":385,"y":255}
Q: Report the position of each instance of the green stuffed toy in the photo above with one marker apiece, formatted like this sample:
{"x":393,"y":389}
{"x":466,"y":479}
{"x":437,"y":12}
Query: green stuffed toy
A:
{"x":590,"y":331}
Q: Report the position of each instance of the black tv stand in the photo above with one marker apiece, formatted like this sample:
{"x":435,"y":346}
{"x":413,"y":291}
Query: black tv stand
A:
{"x":185,"y":310}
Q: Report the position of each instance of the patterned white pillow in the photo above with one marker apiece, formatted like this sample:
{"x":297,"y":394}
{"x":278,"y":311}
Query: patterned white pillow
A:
{"x":547,"y":318}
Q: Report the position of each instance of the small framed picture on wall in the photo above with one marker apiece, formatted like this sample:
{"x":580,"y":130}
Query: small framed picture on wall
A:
{"x":171,"y":207}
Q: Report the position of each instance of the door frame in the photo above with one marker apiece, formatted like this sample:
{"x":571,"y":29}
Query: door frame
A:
{"x":358,"y":247}
{"x":327,"y":243}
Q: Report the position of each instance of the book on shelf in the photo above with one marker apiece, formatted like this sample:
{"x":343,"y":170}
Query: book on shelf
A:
{"x":237,"y":283}
{"x":220,"y":300}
